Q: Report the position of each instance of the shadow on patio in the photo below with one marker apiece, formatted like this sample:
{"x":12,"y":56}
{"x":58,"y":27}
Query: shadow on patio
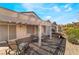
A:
{"x":55,"y":46}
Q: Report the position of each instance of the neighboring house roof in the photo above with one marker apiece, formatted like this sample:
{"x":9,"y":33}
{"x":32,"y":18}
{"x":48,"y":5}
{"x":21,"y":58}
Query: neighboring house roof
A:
{"x":20,"y":17}
{"x":48,"y":21}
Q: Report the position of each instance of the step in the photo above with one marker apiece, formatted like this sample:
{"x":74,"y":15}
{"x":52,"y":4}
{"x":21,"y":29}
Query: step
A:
{"x":40,"y":50}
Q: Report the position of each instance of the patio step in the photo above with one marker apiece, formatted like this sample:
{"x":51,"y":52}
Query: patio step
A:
{"x":50,"y":47}
{"x":40,"y":50}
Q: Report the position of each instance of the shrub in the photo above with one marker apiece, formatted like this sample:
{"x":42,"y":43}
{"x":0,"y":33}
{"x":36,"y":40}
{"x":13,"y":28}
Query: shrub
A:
{"x":73,"y":35}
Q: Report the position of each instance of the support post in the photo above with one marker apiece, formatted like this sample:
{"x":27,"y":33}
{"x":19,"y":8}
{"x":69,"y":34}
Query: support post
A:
{"x":39,"y":35}
{"x":57,"y":28}
{"x":8,"y":31}
{"x":50,"y":32}
{"x":46,"y":30}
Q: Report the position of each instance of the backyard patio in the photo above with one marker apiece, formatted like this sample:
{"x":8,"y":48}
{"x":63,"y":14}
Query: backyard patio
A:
{"x":55,"y":46}
{"x":25,"y":33}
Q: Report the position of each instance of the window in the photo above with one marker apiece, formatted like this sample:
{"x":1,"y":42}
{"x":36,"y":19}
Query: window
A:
{"x":30,"y":29}
{"x":3,"y":32}
{"x":12,"y":32}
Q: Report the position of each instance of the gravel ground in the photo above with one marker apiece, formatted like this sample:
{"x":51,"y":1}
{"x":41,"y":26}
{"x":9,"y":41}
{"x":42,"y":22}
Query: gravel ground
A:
{"x":2,"y":50}
{"x":71,"y":49}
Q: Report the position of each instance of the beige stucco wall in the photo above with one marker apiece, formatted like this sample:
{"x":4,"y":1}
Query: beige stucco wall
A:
{"x":36,"y":30}
{"x":23,"y":17}
{"x":4,"y":34}
{"x":21,"y":31}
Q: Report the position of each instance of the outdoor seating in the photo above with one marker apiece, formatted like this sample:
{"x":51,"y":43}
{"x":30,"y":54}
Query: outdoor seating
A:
{"x":34,"y":38}
{"x":18,"y":47}
{"x":24,"y":45}
{"x":45,"y":38}
{"x":23,"y":48}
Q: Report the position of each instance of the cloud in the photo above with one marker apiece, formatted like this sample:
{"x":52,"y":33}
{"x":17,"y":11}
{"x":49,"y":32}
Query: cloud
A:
{"x":56,"y":8}
{"x":35,"y":6}
{"x":27,"y":6}
{"x":48,"y":17}
{"x":68,"y":9}
{"x":32,"y":6}
{"x":67,"y":5}
{"x":66,"y":18}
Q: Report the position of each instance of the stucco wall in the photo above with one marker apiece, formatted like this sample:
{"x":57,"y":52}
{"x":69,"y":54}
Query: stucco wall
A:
{"x":23,"y":17}
{"x":20,"y":31}
{"x":4,"y":34}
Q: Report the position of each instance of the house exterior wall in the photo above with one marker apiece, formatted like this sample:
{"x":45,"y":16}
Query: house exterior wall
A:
{"x":43,"y":30}
{"x":21,"y":31}
{"x":7,"y":31}
{"x":26,"y":30}
{"x":32,"y":29}
{"x":3,"y":32}
{"x":12,"y":32}
{"x":16,"y":31}
{"x":47,"y":30}
{"x":23,"y":18}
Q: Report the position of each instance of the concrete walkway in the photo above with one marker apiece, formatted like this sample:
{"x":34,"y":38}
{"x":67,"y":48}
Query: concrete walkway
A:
{"x":71,"y":49}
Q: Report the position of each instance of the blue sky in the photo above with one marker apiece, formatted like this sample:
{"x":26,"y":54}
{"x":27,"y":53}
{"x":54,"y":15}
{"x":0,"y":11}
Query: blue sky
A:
{"x":62,"y":13}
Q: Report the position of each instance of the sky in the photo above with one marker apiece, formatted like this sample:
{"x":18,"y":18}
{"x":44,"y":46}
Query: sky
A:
{"x":61,"y":13}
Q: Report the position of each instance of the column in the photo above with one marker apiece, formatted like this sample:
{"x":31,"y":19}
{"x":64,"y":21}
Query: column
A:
{"x":46,"y":31}
{"x":57,"y":28}
{"x":39,"y":34}
{"x":50,"y":32}
{"x":8,"y":31}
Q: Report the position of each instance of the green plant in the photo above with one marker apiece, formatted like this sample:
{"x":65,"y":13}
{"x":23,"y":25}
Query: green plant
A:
{"x":73,"y":35}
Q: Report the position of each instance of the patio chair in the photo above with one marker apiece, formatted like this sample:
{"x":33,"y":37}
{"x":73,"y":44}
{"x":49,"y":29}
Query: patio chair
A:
{"x":13,"y":48}
{"x":34,"y":38}
{"x":24,"y":45}
{"x":45,"y":38}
